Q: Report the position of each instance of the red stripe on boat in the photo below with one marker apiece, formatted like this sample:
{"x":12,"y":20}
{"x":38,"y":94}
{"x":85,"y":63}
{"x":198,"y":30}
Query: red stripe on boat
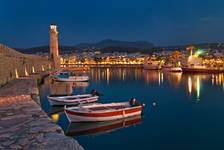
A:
{"x":105,"y":114}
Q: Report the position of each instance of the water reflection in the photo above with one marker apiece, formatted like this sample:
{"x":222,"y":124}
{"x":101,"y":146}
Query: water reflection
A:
{"x":192,"y":82}
{"x":61,"y":88}
{"x":198,"y":87}
{"x":189,"y":83}
{"x":66,"y":88}
{"x":78,"y":129}
{"x":108,"y":74}
{"x":159,"y":77}
{"x":171,"y":92}
{"x":83,"y":85}
{"x":152,"y":77}
{"x":174,"y":78}
{"x":55,"y":117}
{"x":218,"y":79}
{"x":55,"y":109}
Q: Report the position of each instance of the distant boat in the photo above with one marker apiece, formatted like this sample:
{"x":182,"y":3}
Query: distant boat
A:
{"x":175,"y":69}
{"x":150,"y":64}
{"x":72,"y":100}
{"x":167,"y":67}
{"x":171,"y":67}
{"x":69,"y":77}
{"x":202,"y":69}
{"x":95,"y":128}
{"x":195,"y":65}
{"x":102,"y":112}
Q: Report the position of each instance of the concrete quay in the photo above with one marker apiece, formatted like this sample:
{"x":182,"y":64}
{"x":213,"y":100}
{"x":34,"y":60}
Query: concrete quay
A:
{"x":23,"y":124}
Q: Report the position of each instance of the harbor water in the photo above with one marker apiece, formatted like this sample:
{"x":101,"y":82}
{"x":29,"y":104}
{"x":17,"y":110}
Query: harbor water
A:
{"x":183,"y":111}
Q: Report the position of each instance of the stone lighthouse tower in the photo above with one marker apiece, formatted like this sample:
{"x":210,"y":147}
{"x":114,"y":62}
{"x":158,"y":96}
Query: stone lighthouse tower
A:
{"x":54,"y":54}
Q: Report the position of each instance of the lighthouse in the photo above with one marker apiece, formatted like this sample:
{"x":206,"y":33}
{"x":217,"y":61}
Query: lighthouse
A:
{"x":54,"y":52}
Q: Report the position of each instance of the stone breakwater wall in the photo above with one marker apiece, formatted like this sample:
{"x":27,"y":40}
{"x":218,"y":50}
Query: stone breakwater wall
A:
{"x":14,"y":64}
{"x":23,"y":125}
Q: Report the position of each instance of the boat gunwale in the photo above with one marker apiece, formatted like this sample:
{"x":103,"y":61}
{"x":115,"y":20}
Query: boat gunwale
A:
{"x":88,"y":111}
{"x":75,"y":100}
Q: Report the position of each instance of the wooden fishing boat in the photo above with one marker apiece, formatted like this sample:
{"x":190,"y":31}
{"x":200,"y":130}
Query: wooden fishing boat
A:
{"x":69,"y":77}
{"x":72,"y":79}
{"x":102,"y":112}
{"x":152,"y":64}
{"x":72,"y":100}
{"x":96,"y":128}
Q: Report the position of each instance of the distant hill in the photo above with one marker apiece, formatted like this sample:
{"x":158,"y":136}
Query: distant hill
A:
{"x":206,"y":46}
{"x":104,"y":46}
{"x":115,"y":43}
{"x":45,"y":49}
{"x":108,"y":46}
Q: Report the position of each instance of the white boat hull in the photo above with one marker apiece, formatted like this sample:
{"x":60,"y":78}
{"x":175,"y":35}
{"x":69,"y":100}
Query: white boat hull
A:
{"x":73,"y":118}
{"x":83,"y":114}
{"x":73,"y":79}
{"x":73,"y":100}
{"x":176,"y":69}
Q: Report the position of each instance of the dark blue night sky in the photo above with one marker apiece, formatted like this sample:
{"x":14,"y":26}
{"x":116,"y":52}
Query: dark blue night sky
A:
{"x":25,"y":23}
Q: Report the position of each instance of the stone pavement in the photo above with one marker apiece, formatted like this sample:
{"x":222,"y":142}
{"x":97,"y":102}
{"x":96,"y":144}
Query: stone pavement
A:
{"x":23,"y":125}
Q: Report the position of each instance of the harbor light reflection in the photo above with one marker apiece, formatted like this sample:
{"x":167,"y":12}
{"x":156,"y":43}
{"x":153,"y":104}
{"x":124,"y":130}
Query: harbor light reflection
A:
{"x":55,"y":117}
{"x":189,"y":83}
{"x":198,"y":87}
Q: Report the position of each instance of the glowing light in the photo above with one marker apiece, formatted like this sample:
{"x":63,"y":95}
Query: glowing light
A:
{"x":198,"y":53}
{"x":198,"y":87}
{"x":55,"y":117}
{"x":26,"y":72}
{"x":108,"y":76}
{"x":16,"y":72}
{"x":159,"y":78}
{"x":189,"y":85}
{"x":213,"y":79}
{"x":223,"y":86}
{"x":123,"y":75}
{"x":162,"y":77}
{"x":42,"y":68}
{"x":33,"y":70}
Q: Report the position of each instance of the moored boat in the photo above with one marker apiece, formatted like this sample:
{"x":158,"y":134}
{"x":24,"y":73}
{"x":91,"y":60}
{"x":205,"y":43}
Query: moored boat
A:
{"x":69,"y":77}
{"x":172,"y":67}
{"x":152,"y":64}
{"x":73,"y":100}
{"x":202,"y":69}
{"x":167,"y":67}
{"x":195,"y":65}
{"x":73,"y":79}
{"x":176,"y":69}
{"x":103,"y":112}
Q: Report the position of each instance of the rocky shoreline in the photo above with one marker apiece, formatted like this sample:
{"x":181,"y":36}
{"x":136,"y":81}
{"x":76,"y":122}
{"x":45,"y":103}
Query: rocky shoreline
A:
{"x":23,"y":124}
